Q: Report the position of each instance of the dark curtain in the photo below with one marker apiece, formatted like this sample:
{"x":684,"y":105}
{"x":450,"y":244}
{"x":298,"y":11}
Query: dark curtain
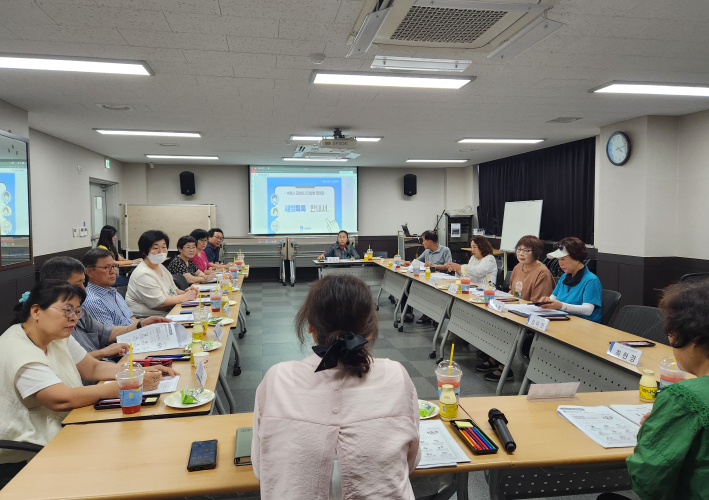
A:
{"x":562,"y":176}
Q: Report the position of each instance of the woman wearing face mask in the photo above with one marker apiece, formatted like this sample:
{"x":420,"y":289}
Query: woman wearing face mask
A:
{"x":41,"y":368}
{"x":342,"y":249}
{"x":182,"y":264}
{"x":151,"y":290}
{"x":671,"y":459}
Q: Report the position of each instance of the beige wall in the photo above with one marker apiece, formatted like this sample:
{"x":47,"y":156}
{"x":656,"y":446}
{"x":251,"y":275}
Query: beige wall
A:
{"x":382,"y":204}
{"x":13,"y":119}
{"x":60,"y":192}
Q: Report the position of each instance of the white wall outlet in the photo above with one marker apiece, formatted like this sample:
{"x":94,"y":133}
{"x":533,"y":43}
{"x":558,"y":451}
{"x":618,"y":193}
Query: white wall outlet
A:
{"x":75,"y":232}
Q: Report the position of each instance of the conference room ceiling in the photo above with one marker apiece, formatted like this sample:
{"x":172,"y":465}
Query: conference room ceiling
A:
{"x":238,"y":71}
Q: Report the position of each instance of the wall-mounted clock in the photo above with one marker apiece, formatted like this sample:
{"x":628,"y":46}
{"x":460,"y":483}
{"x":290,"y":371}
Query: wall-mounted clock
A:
{"x":618,"y":148}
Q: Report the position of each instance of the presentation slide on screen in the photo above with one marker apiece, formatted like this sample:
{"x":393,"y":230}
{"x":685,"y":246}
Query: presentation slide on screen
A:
{"x":14,"y":192}
{"x":302,"y":200}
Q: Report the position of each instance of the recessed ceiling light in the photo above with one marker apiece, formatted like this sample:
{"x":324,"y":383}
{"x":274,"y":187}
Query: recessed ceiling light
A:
{"x":390,"y":80}
{"x":677,"y":89}
{"x":169,"y":144}
{"x":151,"y":133}
{"x":75,"y":64}
{"x":500,"y":141}
{"x":315,"y":159}
{"x":435,"y":161}
{"x":418,"y":64}
{"x":115,"y":107}
{"x":182,"y":157}
{"x":565,"y":119}
{"x":307,"y":138}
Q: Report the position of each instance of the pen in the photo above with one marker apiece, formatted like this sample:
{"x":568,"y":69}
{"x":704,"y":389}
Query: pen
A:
{"x":479,"y":433}
{"x":469,"y":440}
{"x":476,"y":439}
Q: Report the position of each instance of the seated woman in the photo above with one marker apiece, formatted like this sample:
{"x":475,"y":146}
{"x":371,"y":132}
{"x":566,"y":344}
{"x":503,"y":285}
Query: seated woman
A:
{"x":351,"y":421}
{"x":200,"y":258}
{"x":671,"y":459}
{"x":41,"y":368}
{"x":530,"y":280}
{"x":151,"y":290}
{"x":482,"y":265}
{"x":579,"y":291}
{"x":342,"y":248}
{"x":182,"y":263}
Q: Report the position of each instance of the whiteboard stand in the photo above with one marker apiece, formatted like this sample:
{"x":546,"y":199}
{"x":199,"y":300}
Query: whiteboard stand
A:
{"x":521,"y":218}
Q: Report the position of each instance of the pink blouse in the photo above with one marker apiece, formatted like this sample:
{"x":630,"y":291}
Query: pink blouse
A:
{"x":200,"y":260}
{"x":301,"y":418}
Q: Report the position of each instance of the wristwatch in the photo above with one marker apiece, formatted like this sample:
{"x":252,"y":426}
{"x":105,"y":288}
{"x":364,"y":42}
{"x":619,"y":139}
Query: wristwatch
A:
{"x":139,"y":324}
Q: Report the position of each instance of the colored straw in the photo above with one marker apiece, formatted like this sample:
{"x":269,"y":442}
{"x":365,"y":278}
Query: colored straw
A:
{"x":450,"y":363}
{"x":131,"y":360}
{"x":487,"y":281}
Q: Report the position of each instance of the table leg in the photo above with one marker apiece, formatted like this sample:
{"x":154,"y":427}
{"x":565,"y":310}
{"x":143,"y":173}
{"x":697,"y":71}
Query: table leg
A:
{"x":237,"y":359}
{"x":442,"y":318}
{"x":508,"y":362}
{"x":493,"y":483}
{"x":246,"y":304}
{"x":219,"y":406}
{"x":227,"y":392}
{"x":378,"y":296}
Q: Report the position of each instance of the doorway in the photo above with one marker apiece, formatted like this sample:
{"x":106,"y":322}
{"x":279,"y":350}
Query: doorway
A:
{"x":104,"y":207}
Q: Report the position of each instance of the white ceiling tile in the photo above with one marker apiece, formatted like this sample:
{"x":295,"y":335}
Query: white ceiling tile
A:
{"x":241,"y":62}
{"x":222,"y":25}
{"x":202,"y":69}
{"x":23,"y":11}
{"x":349,"y":11}
{"x":128,"y":52}
{"x":77,"y":34}
{"x":217,"y":84}
{"x":6,"y":34}
{"x":314,"y":10}
{"x":70,"y":15}
{"x":679,"y":10}
{"x":310,"y":30}
{"x":607,"y":7}
{"x":43,"y":48}
{"x":330,"y":63}
{"x":169,"y":40}
{"x":297,"y":75}
{"x":194,"y":6}
{"x":274,"y":46}
{"x":605,"y":25}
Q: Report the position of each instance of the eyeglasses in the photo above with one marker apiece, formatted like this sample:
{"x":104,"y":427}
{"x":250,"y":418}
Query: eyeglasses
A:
{"x":70,"y":311}
{"x":218,"y":237}
{"x":108,"y":269}
{"x":188,"y":248}
{"x":523,"y":250}
{"x":203,"y":240}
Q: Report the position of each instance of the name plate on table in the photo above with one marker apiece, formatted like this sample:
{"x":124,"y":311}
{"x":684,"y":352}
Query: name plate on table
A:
{"x":625,"y":353}
{"x":496,"y":305}
{"x":332,"y":259}
{"x":453,"y":288}
{"x":201,"y":374}
{"x":537,"y":322}
{"x":227,"y":310}
{"x":218,"y":332}
{"x":432,"y":281}
{"x":553,"y":391}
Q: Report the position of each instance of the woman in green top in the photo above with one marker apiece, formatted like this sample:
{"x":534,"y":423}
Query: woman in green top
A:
{"x":671,"y":460}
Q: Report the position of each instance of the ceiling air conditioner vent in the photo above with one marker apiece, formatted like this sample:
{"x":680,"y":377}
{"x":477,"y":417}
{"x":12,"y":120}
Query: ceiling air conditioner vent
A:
{"x":426,"y":24}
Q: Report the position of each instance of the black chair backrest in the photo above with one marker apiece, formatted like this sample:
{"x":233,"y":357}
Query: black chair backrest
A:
{"x":553,"y":266}
{"x":694,"y":277}
{"x":180,"y":281}
{"x":500,"y":279}
{"x":122,"y":290}
{"x":383,"y":255}
{"x":609,"y":302}
{"x":643,"y":321}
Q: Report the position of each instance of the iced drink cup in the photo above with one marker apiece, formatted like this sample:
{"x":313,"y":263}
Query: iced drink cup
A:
{"x":452,"y":378}
{"x":130,"y":389}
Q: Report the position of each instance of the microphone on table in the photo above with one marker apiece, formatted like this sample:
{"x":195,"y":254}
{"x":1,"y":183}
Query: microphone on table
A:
{"x":498,"y":421}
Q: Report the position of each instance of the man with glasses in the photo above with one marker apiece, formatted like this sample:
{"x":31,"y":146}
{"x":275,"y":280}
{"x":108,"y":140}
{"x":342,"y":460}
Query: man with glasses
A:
{"x":98,"y":338}
{"x":214,"y":245}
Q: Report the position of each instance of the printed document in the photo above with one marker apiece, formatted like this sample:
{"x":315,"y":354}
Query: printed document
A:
{"x":602,"y":424}
{"x":634,"y":413}
{"x":438,"y":446}
{"x":156,"y":337}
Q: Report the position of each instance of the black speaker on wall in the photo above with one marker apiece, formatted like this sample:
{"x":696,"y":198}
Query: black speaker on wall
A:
{"x":187,"y":183}
{"x":409,"y":184}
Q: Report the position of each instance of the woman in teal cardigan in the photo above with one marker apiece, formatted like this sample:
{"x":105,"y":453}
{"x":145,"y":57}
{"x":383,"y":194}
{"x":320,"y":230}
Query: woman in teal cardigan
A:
{"x":671,"y":459}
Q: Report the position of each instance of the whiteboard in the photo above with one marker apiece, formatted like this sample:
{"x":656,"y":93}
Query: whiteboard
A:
{"x":173,"y":220}
{"x":521,"y":218}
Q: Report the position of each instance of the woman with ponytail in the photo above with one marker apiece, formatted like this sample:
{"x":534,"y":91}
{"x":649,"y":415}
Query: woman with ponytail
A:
{"x":338,"y":424}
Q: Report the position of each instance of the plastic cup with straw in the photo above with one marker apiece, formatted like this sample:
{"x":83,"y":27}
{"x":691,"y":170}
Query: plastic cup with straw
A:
{"x":449,"y":373}
{"x":130,"y":359}
{"x":450,"y":363}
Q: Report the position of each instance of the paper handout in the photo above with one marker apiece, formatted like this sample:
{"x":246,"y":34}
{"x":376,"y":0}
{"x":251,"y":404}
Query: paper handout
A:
{"x":156,"y":337}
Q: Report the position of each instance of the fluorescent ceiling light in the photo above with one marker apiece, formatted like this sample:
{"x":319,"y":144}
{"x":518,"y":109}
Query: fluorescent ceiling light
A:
{"x":387,"y":80}
{"x":418,"y":64}
{"x":435,"y":161}
{"x":368,"y":32}
{"x":319,"y":138}
{"x":151,"y":133}
{"x":314,"y":159}
{"x":531,"y":34}
{"x":500,"y":141}
{"x":182,"y":157}
{"x":653,"y":89}
{"x":75,"y":64}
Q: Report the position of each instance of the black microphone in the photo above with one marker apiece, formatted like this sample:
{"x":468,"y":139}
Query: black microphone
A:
{"x":498,"y":421}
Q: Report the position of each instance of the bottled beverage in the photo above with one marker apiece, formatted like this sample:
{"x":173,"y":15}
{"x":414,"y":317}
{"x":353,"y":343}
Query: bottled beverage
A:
{"x":648,"y":387}
{"x":449,"y":403}
{"x":416,"y":265}
{"x":428,"y":272}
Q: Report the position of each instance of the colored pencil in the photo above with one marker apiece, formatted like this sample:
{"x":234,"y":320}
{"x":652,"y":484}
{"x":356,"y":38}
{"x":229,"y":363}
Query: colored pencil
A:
{"x":477,"y":439}
{"x":479,"y":433}
{"x":475,"y":445}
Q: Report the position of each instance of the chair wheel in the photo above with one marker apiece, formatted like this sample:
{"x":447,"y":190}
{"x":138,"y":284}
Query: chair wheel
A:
{"x":284,"y":283}
{"x":401,"y":328}
{"x":236,"y":372}
{"x":377,"y":308}
{"x":432,"y":355}
{"x":248,"y":312}
{"x":439,"y":360}
{"x":396,"y":324}
{"x":241,"y":335}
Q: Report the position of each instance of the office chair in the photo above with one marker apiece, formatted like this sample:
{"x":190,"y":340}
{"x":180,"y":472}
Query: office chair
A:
{"x":645,"y":322}
{"x":180,"y":281}
{"x":609,"y":303}
{"x":694,"y":277}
